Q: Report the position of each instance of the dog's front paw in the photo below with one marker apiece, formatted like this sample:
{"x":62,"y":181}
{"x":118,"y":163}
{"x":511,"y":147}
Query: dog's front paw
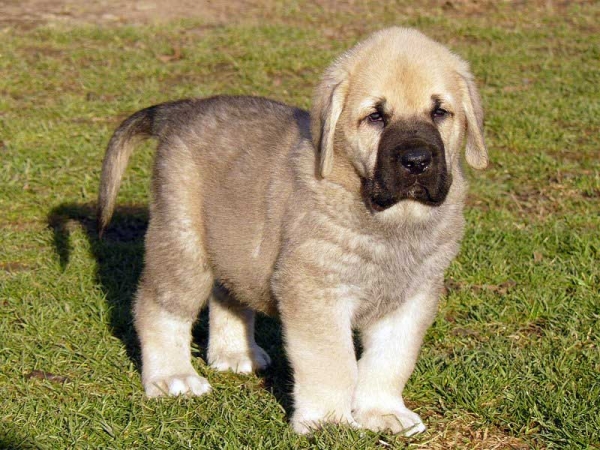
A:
{"x":240,"y":362}
{"x":398,"y":419}
{"x":305,"y":422}
{"x":184,"y":384}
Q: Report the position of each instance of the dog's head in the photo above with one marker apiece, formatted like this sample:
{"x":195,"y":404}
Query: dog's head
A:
{"x":397,"y":107}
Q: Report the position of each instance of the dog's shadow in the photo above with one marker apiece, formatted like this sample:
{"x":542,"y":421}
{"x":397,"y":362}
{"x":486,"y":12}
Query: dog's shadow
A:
{"x":119,"y":259}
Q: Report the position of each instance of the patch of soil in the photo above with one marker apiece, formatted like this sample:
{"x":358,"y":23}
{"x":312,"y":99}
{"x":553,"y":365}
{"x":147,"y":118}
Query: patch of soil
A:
{"x":13,"y":267}
{"x":32,"y":13}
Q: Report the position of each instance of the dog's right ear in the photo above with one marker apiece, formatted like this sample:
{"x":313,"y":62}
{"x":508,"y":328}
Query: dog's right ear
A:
{"x":328,"y":103}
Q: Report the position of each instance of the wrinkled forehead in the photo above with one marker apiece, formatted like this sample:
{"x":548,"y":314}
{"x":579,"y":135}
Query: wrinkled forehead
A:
{"x":404,"y":81}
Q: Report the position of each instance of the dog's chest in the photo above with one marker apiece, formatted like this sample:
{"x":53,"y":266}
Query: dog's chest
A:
{"x":371,"y":266}
{"x":396,"y":272}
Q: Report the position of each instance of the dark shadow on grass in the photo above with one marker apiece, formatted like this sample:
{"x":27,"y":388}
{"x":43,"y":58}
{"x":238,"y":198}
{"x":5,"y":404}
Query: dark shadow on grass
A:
{"x":277,"y":377}
{"x":119,"y":259}
{"x":119,"y":262}
{"x":12,"y":438}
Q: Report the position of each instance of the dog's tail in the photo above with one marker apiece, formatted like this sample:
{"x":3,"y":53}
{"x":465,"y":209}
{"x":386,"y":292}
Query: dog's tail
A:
{"x":137,"y":127}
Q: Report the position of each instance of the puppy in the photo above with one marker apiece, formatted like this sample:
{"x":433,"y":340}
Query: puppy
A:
{"x":341,"y":220}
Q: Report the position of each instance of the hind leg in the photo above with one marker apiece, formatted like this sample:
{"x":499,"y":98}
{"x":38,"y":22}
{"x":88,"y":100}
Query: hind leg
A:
{"x":168,"y":300}
{"x":231,"y":344}
{"x":176,"y":282}
{"x":165,"y":338}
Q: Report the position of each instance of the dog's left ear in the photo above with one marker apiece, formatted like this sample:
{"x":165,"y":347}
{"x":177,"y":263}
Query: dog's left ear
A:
{"x":328,"y":102}
{"x":476,"y":151}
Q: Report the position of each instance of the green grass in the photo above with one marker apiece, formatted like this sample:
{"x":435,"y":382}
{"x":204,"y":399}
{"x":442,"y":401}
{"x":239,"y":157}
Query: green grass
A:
{"x":512,"y":360}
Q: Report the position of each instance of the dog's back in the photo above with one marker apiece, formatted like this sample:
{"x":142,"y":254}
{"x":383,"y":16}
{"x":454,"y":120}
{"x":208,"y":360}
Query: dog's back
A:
{"x":218,"y":155}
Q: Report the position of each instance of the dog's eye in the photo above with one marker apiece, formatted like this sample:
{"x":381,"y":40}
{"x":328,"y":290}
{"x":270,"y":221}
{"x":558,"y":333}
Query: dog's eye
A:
{"x":375,"y":117}
{"x":439,"y":113}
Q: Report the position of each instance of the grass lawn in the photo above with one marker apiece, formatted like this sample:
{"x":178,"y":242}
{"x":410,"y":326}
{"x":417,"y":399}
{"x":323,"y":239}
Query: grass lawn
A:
{"x":513,"y":359}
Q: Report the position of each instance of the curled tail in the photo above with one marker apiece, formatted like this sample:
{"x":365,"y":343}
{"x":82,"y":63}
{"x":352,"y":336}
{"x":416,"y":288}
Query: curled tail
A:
{"x":137,"y":127}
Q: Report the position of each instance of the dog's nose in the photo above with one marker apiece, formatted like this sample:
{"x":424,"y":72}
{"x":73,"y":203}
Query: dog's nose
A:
{"x":416,"y":160}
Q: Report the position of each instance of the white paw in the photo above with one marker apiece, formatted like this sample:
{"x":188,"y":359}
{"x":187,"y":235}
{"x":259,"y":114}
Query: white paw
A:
{"x":240,"y":362}
{"x":397,"y":420}
{"x":185,"y":384}
{"x":307,"y":422}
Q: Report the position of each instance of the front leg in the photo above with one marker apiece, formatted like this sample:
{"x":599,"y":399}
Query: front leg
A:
{"x":318,"y":337}
{"x":390,"y":349}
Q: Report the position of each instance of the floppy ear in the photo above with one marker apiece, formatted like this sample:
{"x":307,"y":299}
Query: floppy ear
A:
{"x":328,"y":103}
{"x":476,"y":151}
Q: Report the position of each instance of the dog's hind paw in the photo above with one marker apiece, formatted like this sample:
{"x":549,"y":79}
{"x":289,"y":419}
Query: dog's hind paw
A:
{"x":185,"y":384}
{"x":240,"y":362}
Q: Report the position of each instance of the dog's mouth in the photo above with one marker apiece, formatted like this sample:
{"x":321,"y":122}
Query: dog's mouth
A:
{"x":380,"y":199}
